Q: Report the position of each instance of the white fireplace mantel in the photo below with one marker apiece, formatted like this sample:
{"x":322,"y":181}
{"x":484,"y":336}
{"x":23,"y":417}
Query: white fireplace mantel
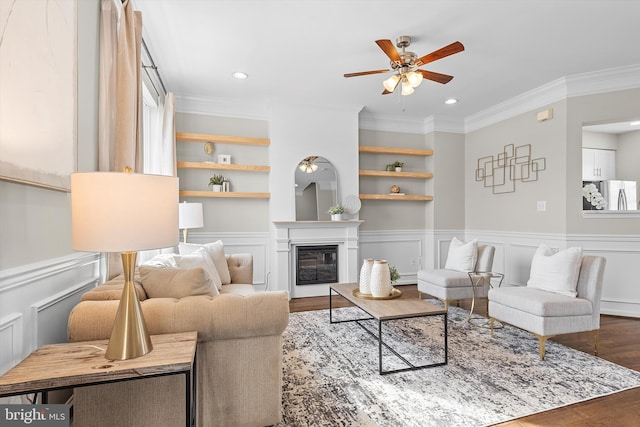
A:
{"x":290,"y":234}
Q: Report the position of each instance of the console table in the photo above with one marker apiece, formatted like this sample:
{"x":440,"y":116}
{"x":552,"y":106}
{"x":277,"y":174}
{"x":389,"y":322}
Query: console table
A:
{"x":79,"y":364}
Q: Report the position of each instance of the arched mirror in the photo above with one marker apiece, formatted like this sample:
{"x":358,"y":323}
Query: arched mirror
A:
{"x":316,"y":181}
{"x":610,"y":172}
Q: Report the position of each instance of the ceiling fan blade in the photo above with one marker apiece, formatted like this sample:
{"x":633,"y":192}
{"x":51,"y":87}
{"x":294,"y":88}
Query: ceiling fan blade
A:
{"x":388,"y":48}
{"x":436,"y":77}
{"x":454,"y":47}
{"x":386,"y":92}
{"x":364,"y":73}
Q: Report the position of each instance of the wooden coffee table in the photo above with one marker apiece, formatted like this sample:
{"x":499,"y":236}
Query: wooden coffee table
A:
{"x":385,"y":311}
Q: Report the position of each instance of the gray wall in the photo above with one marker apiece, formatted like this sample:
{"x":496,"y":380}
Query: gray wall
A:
{"x":517,"y":211}
{"x":448,"y":207}
{"x":35,"y":223}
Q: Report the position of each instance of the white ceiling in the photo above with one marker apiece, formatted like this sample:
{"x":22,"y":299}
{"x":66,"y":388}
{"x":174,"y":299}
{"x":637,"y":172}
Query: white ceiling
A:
{"x":297,"y":51}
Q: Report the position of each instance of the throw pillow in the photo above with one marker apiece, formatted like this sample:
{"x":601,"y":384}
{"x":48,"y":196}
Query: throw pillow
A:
{"x":200,"y":259}
{"x":161,"y":260}
{"x":169,"y":282}
{"x":462,"y":256}
{"x":556,"y":272}
{"x":216,"y":252}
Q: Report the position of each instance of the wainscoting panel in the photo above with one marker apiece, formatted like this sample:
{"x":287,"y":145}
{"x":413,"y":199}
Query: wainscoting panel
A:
{"x":35,"y":301}
{"x":404,"y":249}
{"x":257,"y":244}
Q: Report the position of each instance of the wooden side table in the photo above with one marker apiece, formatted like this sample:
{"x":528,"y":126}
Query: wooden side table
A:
{"x":80,"y":364}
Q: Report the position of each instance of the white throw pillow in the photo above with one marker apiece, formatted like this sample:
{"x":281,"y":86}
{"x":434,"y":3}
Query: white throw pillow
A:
{"x":200,"y":259}
{"x":161,"y":260}
{"x":462,"y":256}
{"x":556,"y":272}
{"x":216,"y":252}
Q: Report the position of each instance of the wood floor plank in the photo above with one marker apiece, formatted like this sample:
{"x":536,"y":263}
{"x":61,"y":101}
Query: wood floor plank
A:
{"x":619,"y":343}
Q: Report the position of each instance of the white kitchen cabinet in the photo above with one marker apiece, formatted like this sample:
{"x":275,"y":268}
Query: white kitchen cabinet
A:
{"x":598,"y":165}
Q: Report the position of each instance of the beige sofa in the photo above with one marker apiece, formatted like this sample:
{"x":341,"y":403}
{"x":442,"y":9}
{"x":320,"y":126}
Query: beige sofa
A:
{"x":239,"y":356}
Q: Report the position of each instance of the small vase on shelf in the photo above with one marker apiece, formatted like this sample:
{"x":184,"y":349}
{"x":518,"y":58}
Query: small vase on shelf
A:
{"x":365,"y":276}
{"x":380,"y":279}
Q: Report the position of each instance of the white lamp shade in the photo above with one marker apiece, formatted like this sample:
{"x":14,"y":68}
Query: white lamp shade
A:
{"x":123,"y":212}
{"x":391,"y":83}
{"x":415,"y":78}
{"x":190,"y":215}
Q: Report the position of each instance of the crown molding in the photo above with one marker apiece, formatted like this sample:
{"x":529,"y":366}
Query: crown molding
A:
{"x":223,"y":107}
{"x":591,"y":83}
{"x":425,"y":126}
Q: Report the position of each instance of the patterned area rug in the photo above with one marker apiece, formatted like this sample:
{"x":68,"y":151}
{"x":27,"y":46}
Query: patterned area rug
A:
{"x":331,"y":373}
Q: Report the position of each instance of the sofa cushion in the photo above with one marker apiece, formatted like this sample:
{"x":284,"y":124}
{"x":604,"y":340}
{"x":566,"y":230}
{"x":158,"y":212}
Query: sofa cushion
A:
{"x":555,"y":272}
{"x":216,"y":252}
{"x":540,"y":303}
{"x":445,"y":278}
{"x":199,"y":259}
{"x":462,"y":256}
{"x":169,"y":282}
{"x":237,"y":289}
{"x":112,"y":290}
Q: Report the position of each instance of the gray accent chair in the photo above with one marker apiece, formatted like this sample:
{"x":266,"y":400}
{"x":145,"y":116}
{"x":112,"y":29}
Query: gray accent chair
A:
{"x":451,"y":285}
{"x":546,"y":314}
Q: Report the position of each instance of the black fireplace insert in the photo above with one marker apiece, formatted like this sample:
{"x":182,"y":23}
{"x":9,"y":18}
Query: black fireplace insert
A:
{"x":316,"y":264}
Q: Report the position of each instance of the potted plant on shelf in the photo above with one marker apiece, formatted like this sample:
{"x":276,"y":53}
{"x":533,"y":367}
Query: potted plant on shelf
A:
{"x":216,"y":182}
{"x":398,"y":166}
{"x":389,"y":167}
{"x":336,"y":212}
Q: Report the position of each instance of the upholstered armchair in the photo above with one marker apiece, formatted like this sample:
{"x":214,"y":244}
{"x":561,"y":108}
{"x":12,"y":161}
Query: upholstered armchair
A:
{"x":452,"y":283}
{"x":545,"y":311}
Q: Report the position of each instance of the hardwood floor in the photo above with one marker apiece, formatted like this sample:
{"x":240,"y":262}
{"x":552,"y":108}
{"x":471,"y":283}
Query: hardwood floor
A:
{"x":619,"y":343}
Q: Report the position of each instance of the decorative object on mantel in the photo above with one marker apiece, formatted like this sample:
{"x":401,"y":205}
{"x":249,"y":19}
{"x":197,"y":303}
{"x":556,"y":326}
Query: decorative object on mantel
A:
{"x":365,"y":276}
{"x":336,"y":212}
{"x":216,"y":183}
{"x":352,"y":204}
{"x":395,"y":189}
{"x":513,"y":164}
{"x":593,"y":196}
{"x":380,"y":279}
{"x":398,"y":165}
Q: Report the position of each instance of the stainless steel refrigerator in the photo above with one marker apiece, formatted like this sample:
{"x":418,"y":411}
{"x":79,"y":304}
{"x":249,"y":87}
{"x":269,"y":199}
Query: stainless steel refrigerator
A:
{"x":620,"y":195}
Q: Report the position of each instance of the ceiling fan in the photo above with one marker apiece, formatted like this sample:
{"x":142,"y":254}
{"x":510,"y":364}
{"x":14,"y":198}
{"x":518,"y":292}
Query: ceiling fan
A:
{"x":406,"y":65}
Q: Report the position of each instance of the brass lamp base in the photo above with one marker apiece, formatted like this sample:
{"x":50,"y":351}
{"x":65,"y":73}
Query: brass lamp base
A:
{"x":129,"y":337}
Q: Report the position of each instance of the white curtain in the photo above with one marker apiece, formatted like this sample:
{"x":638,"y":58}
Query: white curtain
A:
{"x":120,"y":94}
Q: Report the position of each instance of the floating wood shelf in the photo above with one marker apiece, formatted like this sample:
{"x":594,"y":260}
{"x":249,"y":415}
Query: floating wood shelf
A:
{"x":229,"y":194}
{"x":221,"y":166}
{"x":394,"y":150}
{"x":220,"y":139}
{"x":390,"y":174}
{"x":415,"y":197}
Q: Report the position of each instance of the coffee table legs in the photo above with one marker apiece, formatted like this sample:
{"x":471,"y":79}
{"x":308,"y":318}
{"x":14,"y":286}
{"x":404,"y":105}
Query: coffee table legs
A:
{"x":381,"y":343}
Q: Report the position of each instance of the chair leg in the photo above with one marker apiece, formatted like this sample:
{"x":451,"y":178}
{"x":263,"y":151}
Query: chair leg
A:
{"x":446,"y":305}
{"x":491,"y":321}
{"x":542,"y":341}
{"x":419,"y":295}
{"x":596,"y":341}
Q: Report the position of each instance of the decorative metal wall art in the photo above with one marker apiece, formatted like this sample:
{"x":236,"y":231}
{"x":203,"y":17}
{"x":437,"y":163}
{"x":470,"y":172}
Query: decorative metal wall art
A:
{"x":501,"y":172}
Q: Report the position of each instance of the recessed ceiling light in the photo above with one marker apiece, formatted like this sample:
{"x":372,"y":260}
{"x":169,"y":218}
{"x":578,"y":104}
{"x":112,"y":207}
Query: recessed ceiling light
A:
{"x":635,"y":123}
{"x":450,"y":101}
{"x":239,"y":75}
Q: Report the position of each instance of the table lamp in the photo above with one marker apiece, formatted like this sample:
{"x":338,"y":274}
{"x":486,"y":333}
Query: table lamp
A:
{"x":124,"y":212}
{"x":189,"y":216}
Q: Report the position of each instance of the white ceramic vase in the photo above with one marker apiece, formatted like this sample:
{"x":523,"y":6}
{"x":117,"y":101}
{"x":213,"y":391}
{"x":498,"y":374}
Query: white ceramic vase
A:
{"x":365,"y":276}
{"x":380,"y":279}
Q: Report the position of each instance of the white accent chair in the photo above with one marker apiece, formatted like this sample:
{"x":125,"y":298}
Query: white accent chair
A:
{"x":451,"y":285}
{"x":546,"y":314}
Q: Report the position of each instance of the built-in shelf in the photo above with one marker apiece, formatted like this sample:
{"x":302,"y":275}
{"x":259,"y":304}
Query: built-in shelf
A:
{"x":227,"y":194}
{"x":394,"y":150}
{"x":220,"y":139}
{"x":419,"y":175}
{"x":221,"y":166}
{"x":415,"y":197}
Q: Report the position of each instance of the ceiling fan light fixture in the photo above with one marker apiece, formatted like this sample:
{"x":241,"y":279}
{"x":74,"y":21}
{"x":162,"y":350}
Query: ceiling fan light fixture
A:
{"x":407,"y":89}
{"x":391,"y":83}
{"x":414,"y":78}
